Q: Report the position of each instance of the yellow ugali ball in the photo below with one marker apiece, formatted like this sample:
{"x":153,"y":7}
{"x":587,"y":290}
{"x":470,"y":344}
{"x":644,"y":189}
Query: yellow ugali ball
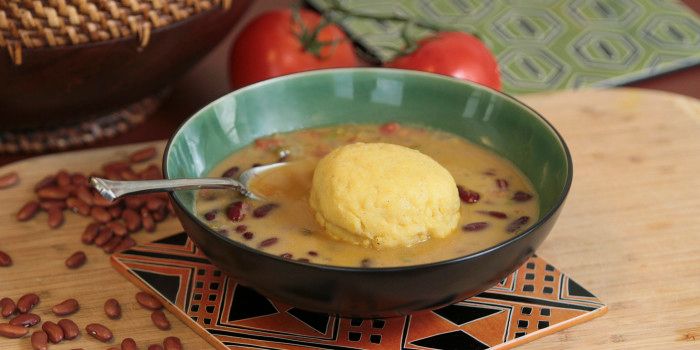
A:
{"x":383,"y":195}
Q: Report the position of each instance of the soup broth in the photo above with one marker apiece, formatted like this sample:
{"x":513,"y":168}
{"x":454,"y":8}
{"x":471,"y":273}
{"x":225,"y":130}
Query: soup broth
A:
{"x":497,"y":200}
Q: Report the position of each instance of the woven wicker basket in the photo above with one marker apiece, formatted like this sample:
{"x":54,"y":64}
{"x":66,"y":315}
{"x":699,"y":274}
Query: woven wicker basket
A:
{"x":65,"y":61}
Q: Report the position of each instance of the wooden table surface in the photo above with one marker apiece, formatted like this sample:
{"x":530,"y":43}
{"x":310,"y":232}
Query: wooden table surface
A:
{"x":629,"y":230}
{"x":208,"y":81}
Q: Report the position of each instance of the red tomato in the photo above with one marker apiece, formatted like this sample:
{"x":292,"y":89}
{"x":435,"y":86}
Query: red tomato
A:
{"x":456,"y":54}
{"x":275,"y":43}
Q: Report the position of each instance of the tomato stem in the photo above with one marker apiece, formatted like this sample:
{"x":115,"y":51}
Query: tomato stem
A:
{"x":309,"y":38}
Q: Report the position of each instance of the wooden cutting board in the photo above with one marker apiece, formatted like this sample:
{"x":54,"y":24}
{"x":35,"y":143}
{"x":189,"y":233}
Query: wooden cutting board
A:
{"x":629,"y":232}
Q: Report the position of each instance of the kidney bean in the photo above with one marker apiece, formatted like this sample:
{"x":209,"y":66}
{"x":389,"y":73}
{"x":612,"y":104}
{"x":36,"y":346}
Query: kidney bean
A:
{"x":100,"y":201}
{"x":263,"y":210}
{"x":152,"y":172}
{"x":28,"y":211}
{"x":502,"y":184}
{"x":112,"y":309}
{"x":52,"y":204}
{"x":9,"y":331}
{"x":79,"y":179}
{"x":155,"y":347}
{"x":115,"y":166}
{"x":83,"y":193}
{"x":8,"y":180}
{"x":112,"y":245}
{"x":268,"y":242}
{"x":148,"y":301}
{"x":62,"y":178}
{"x":475,"y":226}
{"x":142,"y":155}
{"x":76,"y":260}
{"x":248,"y":235}
{"x":55,"y":218}
{"x":129,"y":174}
{"x":134,"y":202}
{"x":115,"y":211}
{"x":5,"y":259}
{"x":104,"y":235}
{"x":154,"y":204}
{"x":65,"y":307}
{"x":7,"y":307}
{"x":517,"y":224}
{"x":160,"y":321}
{"x":129,"y":344}
{"x":54,"y":332}
{"x":52,"y":193}
{"x":78,"y":206}
{"x":132,"y":220}
{"x":25,"y":320}
{"x":40,"y":341}
{"x":241,"y":228}
{"x":48,"y":181}
{"x":100,"y":214}
{"x":159,"y":215}
{"x":467,"y":196}
{"x":147,"y":220}
{"x":126,"y":243}
{"x":172,"y":343}
{"x":90,"y":233}
{"x":99,"y":332}
{"x":210,"y":215}
{"x":117,"y":228}
{"x":521,"y":196}
{"x":312,"y":253}
{"x":70,"y":329}
{"x":236,"y":211}
{"x":493,"y":213}
{"x":27,"y":302}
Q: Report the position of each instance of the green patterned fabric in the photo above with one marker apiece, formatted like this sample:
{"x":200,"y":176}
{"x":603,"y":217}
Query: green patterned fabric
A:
{"x":542,"y":44}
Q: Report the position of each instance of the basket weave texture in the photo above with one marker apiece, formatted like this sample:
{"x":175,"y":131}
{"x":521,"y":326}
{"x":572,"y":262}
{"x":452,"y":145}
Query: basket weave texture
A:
{"x":30,"y":24}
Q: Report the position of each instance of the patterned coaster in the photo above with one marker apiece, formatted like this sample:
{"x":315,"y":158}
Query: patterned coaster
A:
{"x":534,"y":301}
{"x":544,"y":44}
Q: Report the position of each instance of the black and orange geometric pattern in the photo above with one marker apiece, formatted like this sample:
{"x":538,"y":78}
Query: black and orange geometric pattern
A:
{"x":535,"y":300}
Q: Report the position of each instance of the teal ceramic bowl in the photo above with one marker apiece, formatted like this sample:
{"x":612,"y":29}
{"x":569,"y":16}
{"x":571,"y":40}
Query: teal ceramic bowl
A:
{"x":370,"y":95}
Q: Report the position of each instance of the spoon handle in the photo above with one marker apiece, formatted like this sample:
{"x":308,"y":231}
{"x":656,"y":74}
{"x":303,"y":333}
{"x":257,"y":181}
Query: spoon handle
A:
{"x":112,"y":189}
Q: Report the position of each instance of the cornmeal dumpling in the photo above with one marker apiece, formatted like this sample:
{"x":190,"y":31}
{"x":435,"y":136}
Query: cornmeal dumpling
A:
{"x":383,"y":195}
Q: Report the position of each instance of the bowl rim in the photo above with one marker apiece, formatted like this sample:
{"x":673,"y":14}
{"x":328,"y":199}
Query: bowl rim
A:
{"x":379,"y":70}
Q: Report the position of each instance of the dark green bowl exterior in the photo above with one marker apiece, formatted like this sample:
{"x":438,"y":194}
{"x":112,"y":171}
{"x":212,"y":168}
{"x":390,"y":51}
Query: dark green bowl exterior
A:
{"x":370,"y":95}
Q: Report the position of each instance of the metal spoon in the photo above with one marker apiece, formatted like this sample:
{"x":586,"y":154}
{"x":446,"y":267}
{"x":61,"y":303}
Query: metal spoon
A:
{"x":112,"y":189}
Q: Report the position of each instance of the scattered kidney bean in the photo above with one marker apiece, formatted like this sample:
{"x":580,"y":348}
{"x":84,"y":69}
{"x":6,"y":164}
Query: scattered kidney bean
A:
{"x":7,"y":307}
{"x":159,"y":320}
{"x":147,"y":220}
{"x":265,"y":209}
{"x":517,"y":224}
{"x":66,"y":307}
{"x":475,"y":226}
{"x":25,"y":320}
{"x":40,"y":341}
{"x":493,"y":213}
{"x":172,"y":343}
{"x":104,"y":235}
{"x":99,"y":332}
{"x":236,"y":211}
{"x":47,"y":181}
{"x":129,"y":344}
{"x":126,"y":243}
{"x":129,"y":174}
{"x":83,"y":193}
{"x":9,"y":331}
{"x":100,"y":201}
{"x":27,"y":302}
{"x":52,"y":193}
{"x":117,"y":228}
{"x":142,"y":155}
{"x":79,"y":179}
{"x":28,"y":211}
{"x":5,"y":259}
{"x":112,"y":245}
{"x":231,"y":172}
{"x":78,"y":206}
{"x":502,"y":184}
{"x":115,"y":166}
{"x":55,"y":218}
{"x":100,"y":214}
{"x":154,"y":204}
{"x":248,"y":235}
{"x":521,"y":196}
{"x":90,"y":233}
{"x":115,"y":212}
{"x":53,"y":204}
{"x":268,"y":242}
{"x":132,"y":220}
{"x":54,"y":332}
{"x":148,"y":301}
{"x":8,"y":180}
{"x":241,"y":228}
{"x":155,"y":347}
{"x":467,"y":196}
{"x":76,"y":260}
{"x":70,"y":329}
{"x":112,"y":309}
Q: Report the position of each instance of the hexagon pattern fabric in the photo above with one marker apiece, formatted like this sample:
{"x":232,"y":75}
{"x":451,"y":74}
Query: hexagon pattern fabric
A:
{"x":543,"y":44}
